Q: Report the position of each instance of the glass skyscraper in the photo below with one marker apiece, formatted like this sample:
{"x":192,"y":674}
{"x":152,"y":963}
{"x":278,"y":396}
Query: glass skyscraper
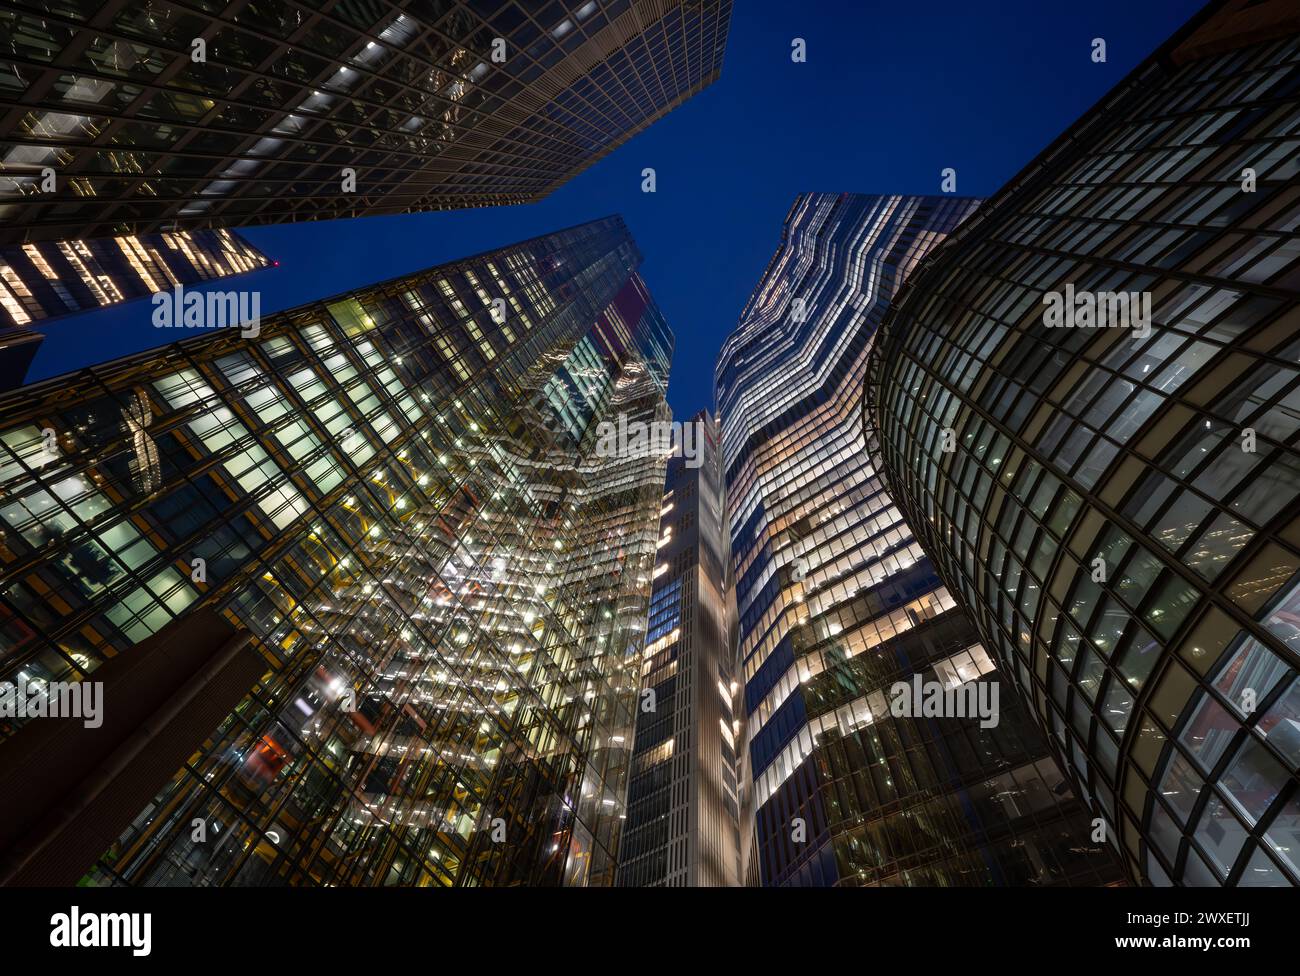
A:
{"x":836,"y":601}
{"x":683,"y":797}
{"x":51,"y":278}
{"x":396,"y":492}
{"x":157,"y":115}
{"x":1118,"y":503}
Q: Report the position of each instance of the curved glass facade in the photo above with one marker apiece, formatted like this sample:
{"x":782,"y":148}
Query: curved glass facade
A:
{"x":1119,"y":507}
{"x":836,"y":601}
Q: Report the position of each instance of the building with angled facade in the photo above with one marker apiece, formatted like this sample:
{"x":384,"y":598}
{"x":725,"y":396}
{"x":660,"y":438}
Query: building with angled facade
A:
{"x":156,"y":115}
{"x":1117,"y":504}
{"x":51,"y":278}
{"x":395,"y":491}
{"x":683,"y":797}
{"x":837,"y":603}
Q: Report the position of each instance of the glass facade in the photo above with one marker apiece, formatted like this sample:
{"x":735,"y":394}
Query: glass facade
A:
{"x":836,"y":601}
{"x":683,"y":803}
{"x":396,"y":492}
{"x":427,"y":105}
{"x":1119,"y":507}
{"x":45,"y":279}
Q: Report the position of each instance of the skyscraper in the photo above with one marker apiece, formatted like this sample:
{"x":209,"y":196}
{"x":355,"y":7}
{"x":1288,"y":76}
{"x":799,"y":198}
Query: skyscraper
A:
{"x":1088,"y":406}
{"x":838,"y":604}
{"x":396,"y":492}
{"x":683,"y":804}
{"x":41,"y":280}
{"x":139,"y":116}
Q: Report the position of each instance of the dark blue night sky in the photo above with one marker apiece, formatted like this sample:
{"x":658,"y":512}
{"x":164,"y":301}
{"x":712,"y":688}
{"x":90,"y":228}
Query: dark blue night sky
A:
{"x":891,"y":94}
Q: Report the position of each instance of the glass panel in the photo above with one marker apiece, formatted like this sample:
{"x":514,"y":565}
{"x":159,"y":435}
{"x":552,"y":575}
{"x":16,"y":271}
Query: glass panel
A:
{"x":1221,"y":835}
{"x":1208,"y":732}
{"x":1261,"y":872}
{"x":1281,"y":724}
{"x":1165,"y":835}
{"x":1196,"y":874}
{"x":1248,"y":676}
{"x":1284,"y":834}
{"x":1254,"y":779}
{"x":1217,"y":546}
{"x":1118,"y":704}
{"x":1181,"y":786}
